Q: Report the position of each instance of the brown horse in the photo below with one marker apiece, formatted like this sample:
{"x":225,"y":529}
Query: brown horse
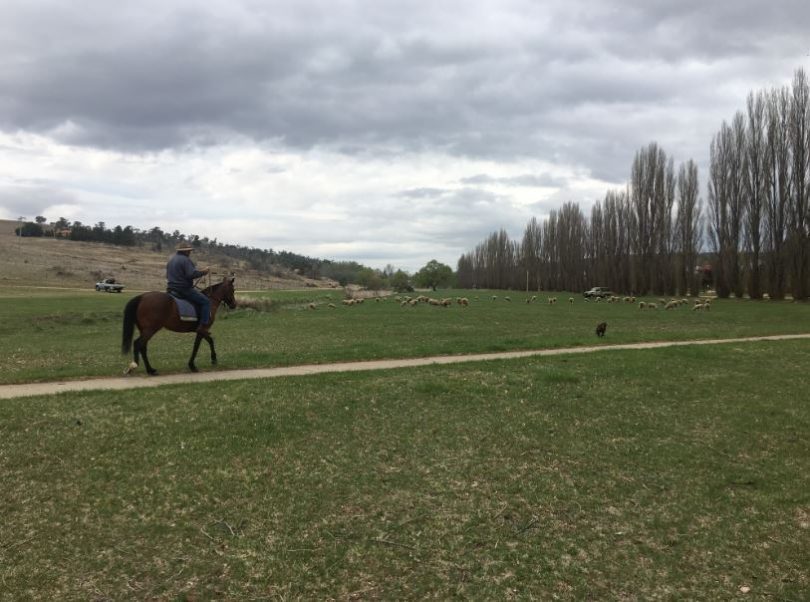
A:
{"x":154,"y":310}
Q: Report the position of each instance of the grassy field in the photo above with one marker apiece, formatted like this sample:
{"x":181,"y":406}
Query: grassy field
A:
{"x":62,"y":334}
{"x":675,"y":474}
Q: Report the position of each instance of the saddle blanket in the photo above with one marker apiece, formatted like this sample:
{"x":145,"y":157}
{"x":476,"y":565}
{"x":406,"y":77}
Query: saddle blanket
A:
{"x":187,"y":311}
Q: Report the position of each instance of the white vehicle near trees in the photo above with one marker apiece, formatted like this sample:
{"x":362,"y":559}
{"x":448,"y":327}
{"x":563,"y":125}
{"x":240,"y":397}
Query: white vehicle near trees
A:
{"x":109,"y":285}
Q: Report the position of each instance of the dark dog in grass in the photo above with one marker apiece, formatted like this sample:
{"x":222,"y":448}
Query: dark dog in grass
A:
{"x":601,"y":328}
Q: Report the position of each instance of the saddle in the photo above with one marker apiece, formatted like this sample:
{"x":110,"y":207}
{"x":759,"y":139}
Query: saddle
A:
{"x":186,"y":309}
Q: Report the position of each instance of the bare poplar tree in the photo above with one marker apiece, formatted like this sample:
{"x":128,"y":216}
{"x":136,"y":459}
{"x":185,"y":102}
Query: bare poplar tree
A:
{"x":646,"y":190}
{"x":688,"y":227}
{"x":755,"y":189}
{"x":737,"y":202}
{"x":719,"y":192}
{"x":777,"y":189}
{"x":531,"y":252}
{"x":799,"y":132}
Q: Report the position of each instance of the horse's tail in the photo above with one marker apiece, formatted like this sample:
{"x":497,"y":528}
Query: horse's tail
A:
{"x":129,"y":323}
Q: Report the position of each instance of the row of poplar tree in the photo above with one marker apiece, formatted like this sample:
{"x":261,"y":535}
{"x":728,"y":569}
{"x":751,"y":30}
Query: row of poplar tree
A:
{"x":754,"y":227}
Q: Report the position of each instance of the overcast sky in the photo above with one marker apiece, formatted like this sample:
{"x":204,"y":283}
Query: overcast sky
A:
{"x":376,"y":131}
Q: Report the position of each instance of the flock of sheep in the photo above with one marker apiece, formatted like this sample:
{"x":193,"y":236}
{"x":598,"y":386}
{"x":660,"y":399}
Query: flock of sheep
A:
{"x":702,"y":303}
{"x":699,"y":304}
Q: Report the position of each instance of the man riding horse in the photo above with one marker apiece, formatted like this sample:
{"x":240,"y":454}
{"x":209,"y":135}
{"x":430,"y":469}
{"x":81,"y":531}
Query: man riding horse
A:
{"x":180,"y":276}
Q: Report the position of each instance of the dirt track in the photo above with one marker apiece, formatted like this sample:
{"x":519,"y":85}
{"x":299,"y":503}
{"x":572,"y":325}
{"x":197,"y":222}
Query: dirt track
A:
{"x":138,"y":382}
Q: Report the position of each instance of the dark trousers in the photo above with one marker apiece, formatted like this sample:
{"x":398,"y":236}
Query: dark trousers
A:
{"x":200,"y":301}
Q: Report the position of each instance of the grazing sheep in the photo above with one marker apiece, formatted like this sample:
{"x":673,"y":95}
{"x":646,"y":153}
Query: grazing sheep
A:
{"x":507,"y":299}
{"x":672,"y":304}
{"x":332,"y":305}
{"x":494,"y":297}
{"x":311,"y":306}
{"x":641,"y":305}
{"x":348,"y":302}
{"x":534,"y":298}
{"x":698,"y":306}
{"x":601,"y":328}
{"x":447,"y":302}
{"x":464,"y":301}
{"x":652,"y":305}
{"x":571,"y":300}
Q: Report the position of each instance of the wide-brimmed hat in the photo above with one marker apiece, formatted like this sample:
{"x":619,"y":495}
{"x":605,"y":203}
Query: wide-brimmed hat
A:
{"x":184,"y":246}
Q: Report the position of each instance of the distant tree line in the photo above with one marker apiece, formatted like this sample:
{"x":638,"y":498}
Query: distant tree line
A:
{"x":266,"y":260}
{"x":650,"y":237}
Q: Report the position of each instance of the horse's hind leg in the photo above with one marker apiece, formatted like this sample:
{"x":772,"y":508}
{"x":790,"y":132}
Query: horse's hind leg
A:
{"x":149,"y":369}
{"x":139,"y":348}
{"x":136,"y":353}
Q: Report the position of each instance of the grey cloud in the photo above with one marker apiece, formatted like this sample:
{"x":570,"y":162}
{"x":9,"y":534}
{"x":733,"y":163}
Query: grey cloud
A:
{"x":520,"y":80}
{"x":30,"y":201}
{"x":422,"y":193}
{"x":525,"y":180}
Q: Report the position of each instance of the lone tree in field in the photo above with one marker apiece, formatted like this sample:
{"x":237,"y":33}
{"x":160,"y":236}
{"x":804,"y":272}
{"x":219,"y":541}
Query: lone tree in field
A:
{"x":434,"y":274}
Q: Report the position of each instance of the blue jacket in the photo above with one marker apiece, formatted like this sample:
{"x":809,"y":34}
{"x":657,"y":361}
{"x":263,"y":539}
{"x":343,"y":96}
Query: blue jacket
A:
{"x":181,"y":273}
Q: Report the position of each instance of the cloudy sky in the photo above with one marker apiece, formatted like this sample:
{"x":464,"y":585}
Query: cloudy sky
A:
{"x":377,"y":131}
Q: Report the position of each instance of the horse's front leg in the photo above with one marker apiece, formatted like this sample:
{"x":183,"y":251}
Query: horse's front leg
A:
{"x":210,"y":340}
{"x":200,"y":336}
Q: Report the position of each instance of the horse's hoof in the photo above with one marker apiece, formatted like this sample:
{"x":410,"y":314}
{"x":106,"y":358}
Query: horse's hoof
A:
{"x":192,"y":368}
{"x":152,"y":372}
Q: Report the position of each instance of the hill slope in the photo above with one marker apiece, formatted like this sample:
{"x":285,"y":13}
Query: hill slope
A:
{"x":63,"y":263}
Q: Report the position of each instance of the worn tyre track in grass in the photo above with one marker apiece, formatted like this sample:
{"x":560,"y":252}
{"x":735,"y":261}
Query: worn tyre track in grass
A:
{"x":130,"y":382}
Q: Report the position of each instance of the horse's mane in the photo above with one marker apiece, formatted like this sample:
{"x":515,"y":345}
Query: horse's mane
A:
{"x":208,"y":290}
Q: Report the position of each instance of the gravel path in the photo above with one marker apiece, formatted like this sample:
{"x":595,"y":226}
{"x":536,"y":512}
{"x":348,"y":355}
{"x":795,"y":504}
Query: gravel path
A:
{"x":138,"y":382}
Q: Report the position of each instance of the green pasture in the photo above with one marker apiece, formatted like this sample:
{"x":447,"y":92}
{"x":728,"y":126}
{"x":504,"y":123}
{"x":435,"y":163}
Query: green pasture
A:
{"x":674,"y":474}
{"x":51,"y":334}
